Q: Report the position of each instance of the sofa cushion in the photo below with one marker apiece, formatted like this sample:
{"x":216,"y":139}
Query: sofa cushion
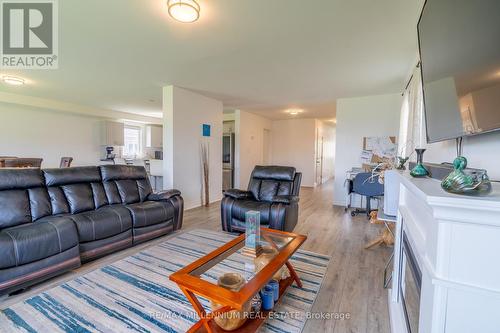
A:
{"x":99,"y":195}
{"x":67,"y":176}
{"x":125,"y":183}
{"x":268,"y":189}
{"x":73,"y":190}
{"x":102,"y":223}
{"x":13,"y":179}
{"x":112,"y":194}
{"x":39,"y":203}
{"x":279,"y":173}
{"x":128,"y":191}
{"x":58,"y":201}
{"x":14,"y":208}
{"x":118,"y":172}
{"x":268,"y":181}
{"x":79,"y":197}
{"x":30,"y":242}
{"x":150,"y":212}
{"x":17,"y":188}
{"x":240,"y":207}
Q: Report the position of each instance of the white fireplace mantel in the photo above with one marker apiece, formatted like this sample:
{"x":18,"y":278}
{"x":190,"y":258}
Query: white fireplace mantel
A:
{"x":456,"y":242}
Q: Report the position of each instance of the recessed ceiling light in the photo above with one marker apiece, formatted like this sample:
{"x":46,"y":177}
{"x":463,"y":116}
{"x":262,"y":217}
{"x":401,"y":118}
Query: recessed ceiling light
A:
{"x":13,"y":80}
{"x":294,"y":112}
{"x":186,"y":11}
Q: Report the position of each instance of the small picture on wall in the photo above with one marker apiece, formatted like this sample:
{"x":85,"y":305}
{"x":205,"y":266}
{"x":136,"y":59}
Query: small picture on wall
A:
{"x":206,"y":130}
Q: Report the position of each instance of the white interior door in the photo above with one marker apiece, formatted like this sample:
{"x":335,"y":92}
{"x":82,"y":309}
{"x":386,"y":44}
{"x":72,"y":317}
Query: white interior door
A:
{"x":319,"y":160}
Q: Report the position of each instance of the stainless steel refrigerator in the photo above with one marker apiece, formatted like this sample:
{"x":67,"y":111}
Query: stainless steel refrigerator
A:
{"x":227,"y":161}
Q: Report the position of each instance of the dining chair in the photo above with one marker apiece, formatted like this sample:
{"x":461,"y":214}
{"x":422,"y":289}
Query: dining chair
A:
{"x":3,"y":158}
{"x":368,"y":186}
{"x":65,"y":162}
{"x":23,"y":163}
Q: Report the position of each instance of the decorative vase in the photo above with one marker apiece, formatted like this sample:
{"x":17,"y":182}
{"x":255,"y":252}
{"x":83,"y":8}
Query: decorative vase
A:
{"x":234,"y":319}
{"x":419,"y":170}
{"x":400,"y":163}
{"x":460,"y":182}
{"x":268,"y":253}
{"x":252,"y":234}
{"x":205,"y":162}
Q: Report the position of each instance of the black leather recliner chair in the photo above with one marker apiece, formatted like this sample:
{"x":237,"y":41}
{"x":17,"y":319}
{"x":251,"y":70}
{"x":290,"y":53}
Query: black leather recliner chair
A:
{"x":51,"y":220}
{"x":273,"y":191}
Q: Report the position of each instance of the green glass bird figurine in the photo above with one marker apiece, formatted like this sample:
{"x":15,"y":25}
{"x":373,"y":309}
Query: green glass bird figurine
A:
{"x":460,"y":182}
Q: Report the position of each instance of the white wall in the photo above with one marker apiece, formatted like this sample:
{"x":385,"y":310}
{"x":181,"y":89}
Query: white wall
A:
{"x":293,"y":144}
{"x":33,"y":132}
{"x":357,"y":118}
{"x":38,"y":127}
{"x":481,"y":151}
{"x":184,"y":113}
{"x":249,"y":146}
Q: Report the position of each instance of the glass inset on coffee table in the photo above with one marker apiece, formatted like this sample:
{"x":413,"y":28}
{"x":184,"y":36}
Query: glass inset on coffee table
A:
{"x":200,"y":277}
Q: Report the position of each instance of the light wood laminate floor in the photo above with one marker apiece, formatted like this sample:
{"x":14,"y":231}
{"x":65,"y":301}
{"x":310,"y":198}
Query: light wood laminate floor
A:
{"x":353,"y":284}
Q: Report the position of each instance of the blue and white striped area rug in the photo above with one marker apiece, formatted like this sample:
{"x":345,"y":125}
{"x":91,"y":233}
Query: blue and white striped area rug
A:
{"x":135,"y":295}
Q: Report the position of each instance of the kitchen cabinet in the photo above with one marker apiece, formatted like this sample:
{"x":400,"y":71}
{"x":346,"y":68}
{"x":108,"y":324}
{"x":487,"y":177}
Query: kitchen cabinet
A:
{"x":154,"y":136}
{"x":228,"y":127}
{"x":156,"y":174}
{"x":113,"y":134}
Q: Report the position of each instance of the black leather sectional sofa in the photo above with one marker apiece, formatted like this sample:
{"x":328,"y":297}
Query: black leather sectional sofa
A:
{"x":52,"y":220}
{"x":273,"y":191}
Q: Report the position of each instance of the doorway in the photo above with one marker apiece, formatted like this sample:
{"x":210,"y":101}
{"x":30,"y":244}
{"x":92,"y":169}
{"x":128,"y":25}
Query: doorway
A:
{"x":319,"y":159}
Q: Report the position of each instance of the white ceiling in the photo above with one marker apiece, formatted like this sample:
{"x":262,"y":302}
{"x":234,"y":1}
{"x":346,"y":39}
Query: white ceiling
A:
{"x":262,"y":56}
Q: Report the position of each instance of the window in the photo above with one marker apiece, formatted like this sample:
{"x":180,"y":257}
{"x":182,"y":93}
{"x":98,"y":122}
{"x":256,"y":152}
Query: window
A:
{"x":133,"y":147}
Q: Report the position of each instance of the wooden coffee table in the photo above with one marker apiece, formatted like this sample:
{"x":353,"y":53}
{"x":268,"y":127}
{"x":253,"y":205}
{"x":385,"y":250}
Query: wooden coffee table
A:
{"x":192,"y":282}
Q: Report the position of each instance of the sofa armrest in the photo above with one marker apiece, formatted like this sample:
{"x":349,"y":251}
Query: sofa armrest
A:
{"x":285,"y":199}
{"x":238,"y":194}
{"x":164,"y":195}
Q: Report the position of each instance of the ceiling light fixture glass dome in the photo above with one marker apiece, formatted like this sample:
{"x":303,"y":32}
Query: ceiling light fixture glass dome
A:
{"x":294,"y":112}
{"x":186,"y":11}
{"x":13,"y":80}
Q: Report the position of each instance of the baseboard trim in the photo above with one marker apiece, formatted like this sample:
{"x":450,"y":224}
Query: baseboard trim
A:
{"x":197,"y":204}
{"x":339,"y":203}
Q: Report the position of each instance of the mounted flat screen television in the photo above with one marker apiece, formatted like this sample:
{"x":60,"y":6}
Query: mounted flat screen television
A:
{"x":459,"y":42}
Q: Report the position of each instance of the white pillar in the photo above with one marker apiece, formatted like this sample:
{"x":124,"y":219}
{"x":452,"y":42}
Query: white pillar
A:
{"x":168,"y":137}
{"x":184,"y":113}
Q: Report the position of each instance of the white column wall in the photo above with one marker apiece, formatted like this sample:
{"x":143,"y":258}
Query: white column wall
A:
{"x":184,"y":113}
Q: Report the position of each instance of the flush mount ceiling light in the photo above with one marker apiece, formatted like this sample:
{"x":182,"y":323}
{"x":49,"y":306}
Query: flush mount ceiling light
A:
{"x":294,"y":112}
{"x":13,"y":80}
{"x":186,"y":11}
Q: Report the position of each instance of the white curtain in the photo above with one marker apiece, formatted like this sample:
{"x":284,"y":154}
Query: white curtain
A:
{"x":412,"y":122}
